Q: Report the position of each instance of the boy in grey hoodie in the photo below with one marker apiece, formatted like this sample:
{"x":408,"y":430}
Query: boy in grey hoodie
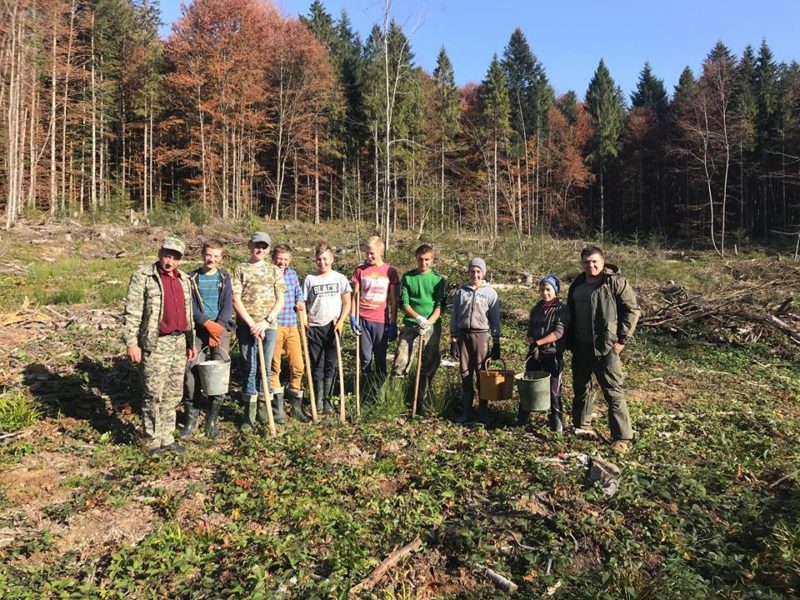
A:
{"x":476,"y":314}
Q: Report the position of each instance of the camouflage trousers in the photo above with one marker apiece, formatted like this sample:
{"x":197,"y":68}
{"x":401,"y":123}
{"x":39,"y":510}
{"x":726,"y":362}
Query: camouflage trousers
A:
{"x":162,"y":373}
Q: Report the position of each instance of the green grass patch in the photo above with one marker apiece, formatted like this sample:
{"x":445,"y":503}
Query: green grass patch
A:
{"x":17,"y":411}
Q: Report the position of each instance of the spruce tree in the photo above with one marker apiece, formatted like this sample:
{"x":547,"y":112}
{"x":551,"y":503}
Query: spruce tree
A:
{"x":496,"y":113}
{"x":650,"y":92}
{"x":606,"y":105}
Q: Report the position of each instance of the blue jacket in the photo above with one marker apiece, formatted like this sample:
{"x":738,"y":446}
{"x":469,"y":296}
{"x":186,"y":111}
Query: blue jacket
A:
{"x":225,"y":316}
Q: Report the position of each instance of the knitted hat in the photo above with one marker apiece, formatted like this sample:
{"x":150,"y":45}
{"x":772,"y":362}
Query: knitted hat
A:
{"x":477,"y":262}
{"x":553,"y":281}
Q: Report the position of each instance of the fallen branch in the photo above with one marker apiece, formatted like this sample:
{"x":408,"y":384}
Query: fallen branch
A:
{"x":784,"y":478}
{"x":15,"y":434}
{"x":501,"y":582}
{"x":381,"y":570}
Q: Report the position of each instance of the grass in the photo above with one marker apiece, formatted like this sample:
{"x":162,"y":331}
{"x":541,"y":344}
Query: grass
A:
{"x":707,"y":507}
{"x":17,"y":411}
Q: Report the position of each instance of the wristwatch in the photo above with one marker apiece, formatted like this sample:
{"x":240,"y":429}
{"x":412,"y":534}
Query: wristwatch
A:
{"x":269,"y":320}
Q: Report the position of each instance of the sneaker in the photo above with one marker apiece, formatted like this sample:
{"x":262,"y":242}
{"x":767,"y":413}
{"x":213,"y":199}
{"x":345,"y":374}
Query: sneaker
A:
{"x":620,"y":447}
{"x":586,"y":432}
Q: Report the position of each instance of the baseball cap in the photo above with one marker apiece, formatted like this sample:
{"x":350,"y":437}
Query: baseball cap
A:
{"x":174,"y":244}
{"x":261,"y":237}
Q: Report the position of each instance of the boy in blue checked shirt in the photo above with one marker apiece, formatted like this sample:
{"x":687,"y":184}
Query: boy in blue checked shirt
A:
{"x":288,"y":338}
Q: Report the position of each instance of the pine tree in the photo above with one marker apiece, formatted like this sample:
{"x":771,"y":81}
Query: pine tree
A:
{"x":606,"y":105}
{"x":448,"y":116}
{"x":650,"y":92}
{"x":496,"y":113}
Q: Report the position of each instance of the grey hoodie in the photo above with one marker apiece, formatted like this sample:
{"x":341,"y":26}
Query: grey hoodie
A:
{"x":475,"y":310}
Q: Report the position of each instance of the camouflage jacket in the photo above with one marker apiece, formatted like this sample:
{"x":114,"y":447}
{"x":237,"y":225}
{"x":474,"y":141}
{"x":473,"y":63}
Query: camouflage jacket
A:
{"x":143,"y":308}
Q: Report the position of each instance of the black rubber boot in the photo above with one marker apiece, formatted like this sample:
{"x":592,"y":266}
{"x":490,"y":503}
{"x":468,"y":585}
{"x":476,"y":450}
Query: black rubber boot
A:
{"x":191,"y":422}
{"x":555,"y":423}
{"x":277,"y":408}
{"x":249,"y":418}
{"x":319,"y":392}
{"x":523,"y":416}
{"x":423,"y":403}
{"x":210,"y":429}
{"x":327,"y":407}
{"x":483,"y":412}
{"x":466,"y":409}
{"x":261,"y":412}
{"x":296,"y":399}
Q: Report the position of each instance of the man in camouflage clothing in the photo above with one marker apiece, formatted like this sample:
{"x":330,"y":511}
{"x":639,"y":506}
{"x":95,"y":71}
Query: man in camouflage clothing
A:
{"x":258,"y":297}
{"x":159,"y":336}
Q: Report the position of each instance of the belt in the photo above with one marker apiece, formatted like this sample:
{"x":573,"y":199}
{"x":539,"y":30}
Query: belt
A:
{"x":173,"y":334}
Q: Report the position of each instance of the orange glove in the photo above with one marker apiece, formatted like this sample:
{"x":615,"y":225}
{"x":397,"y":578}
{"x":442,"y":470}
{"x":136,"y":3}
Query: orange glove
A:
{"x":339,"y":327}
{"x":213,"y":342}
{"x":214,"y":329}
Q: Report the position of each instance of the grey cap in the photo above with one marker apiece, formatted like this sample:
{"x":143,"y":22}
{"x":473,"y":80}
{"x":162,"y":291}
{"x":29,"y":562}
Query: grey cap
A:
{"x":261,"y":237}
{"x":477,"y":262}
{"x":175,"y":244}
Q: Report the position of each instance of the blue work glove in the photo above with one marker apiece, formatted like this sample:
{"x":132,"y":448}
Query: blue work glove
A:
{"x":392,"y":332}
{"x":355,"y":325}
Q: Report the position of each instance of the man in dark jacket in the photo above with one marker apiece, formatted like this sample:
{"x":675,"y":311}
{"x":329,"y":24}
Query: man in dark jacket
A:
{"x":212,"y":304}
{"x":603,"y":315}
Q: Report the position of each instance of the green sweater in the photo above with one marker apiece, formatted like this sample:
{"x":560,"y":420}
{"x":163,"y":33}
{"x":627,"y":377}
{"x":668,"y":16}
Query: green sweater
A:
{"x":423,"y":292}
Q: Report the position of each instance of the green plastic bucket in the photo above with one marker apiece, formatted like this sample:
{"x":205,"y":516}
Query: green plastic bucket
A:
{"x":534,"y":390}
{"x":215,"y":376}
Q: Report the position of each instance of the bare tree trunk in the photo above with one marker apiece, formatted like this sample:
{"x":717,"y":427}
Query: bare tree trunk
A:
{"x":65,"y":103}
{"x":53,"y":125}
{"x":93,"y":200}
{"x":316,"y":177}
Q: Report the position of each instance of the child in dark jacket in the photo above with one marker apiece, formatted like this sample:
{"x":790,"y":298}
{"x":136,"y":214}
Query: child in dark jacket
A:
{"x":546,"y":325}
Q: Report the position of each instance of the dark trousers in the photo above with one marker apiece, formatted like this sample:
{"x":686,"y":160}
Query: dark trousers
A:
{"x":191,"y":391}
{"x":322,"y":351}
{"x":552,"y":363}
{"x":608,"y":372}
{"x":473,"y":347}
{"x":374,"y":341}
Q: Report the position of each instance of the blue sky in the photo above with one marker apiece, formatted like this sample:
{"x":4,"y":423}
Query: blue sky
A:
{"x":569,"y":38}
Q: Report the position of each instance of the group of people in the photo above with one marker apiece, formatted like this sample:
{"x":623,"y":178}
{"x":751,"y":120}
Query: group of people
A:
{"x":173,"y":318}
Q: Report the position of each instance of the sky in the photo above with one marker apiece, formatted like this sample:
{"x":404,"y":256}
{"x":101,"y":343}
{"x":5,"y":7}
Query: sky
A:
{"x":570,"y":37}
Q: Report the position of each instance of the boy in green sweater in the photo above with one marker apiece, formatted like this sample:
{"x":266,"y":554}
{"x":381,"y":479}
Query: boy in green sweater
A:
{"x":422,"y":300}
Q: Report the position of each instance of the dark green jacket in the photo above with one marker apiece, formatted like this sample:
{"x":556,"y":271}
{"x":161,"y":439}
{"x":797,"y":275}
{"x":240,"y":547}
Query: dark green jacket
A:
{"x":614,"y":308}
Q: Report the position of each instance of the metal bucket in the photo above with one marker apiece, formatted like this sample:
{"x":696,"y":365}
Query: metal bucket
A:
{"x":534,"y":391}
{"x":215,"y":376}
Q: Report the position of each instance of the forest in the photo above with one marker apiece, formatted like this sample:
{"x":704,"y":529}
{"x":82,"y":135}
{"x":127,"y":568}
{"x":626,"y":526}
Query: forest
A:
{"x":243,"y":110}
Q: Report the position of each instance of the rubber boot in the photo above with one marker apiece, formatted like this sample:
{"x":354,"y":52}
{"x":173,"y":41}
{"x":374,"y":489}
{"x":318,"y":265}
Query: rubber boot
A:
{"x":555,"y":423}
{"x":523,"y":416}
{"x":277,"y":408}
{"x":319,"y":392}
{"x":210,"y":429}
{"x":249,"y":420}
{"x":191,"y":422}
{"x":296,"y":399}
{"x":261,"y":412}
{"x":466,"y":409}
{"x":483,"y":412}
{"x":327,"y":407}
{"x":422,"y":396}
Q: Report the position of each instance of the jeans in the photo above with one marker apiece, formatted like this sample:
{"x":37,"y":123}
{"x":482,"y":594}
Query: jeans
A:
{"x":252,"y":379}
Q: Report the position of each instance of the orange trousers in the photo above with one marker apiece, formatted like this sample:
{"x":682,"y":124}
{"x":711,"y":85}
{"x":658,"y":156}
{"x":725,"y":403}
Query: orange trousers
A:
{"x":289,"y":340}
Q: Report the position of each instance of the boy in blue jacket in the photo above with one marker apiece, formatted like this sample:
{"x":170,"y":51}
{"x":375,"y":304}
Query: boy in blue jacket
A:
{"x":212,"y":303}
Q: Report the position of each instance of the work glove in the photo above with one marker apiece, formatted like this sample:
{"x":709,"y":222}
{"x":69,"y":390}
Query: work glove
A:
{"x":454,"y":350}
{"x":533,"y":353}
{"x":422,"y":323}
{"x":495,"y":355}
{"x":214,"y":329}
{"x":355,"y":325}
{"x":213,"y":342}
{"x":392,"y":332}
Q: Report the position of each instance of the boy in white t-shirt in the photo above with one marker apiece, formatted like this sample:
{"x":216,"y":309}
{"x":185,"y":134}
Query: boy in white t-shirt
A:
{"x":327,"y":293}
